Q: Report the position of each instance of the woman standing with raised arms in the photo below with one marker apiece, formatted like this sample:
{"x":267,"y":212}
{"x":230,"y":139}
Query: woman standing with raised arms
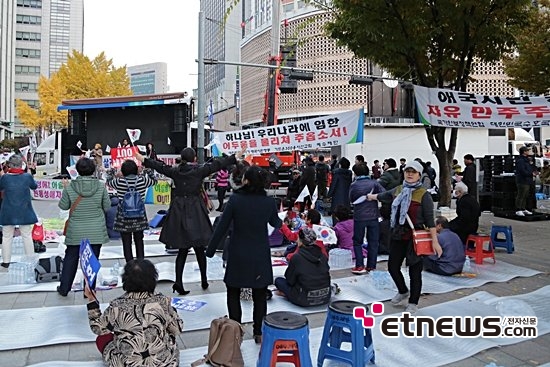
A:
{"x":187,"y":224}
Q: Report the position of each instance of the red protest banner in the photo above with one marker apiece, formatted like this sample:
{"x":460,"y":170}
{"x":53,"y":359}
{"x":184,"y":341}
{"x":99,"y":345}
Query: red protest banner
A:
{"x":119,"y":155}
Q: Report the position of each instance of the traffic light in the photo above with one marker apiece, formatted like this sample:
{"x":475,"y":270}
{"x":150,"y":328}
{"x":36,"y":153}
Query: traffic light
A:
{"x":288,"y":59}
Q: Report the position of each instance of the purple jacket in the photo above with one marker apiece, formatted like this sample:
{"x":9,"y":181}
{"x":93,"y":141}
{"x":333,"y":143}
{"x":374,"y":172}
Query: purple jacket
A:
{"x":344,"y":233}
{"x":367,"y":210}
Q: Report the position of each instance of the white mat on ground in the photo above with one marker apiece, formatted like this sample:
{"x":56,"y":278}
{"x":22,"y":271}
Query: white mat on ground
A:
{"x":116,"y":252}
{"x":420,"y":351}
{"x":166,"y":271}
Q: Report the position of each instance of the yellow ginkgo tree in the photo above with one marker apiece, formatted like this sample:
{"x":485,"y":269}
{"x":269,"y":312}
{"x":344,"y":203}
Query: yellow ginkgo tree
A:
{"x":80,"y":77}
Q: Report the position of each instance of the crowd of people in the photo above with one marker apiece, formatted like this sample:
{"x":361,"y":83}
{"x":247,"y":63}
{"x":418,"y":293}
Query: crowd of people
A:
{"x":382,"y":204}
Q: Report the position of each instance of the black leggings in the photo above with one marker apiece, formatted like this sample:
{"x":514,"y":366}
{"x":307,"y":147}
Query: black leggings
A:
{"x":127,"y":245}
{"x":259,"y":302}
{"x":221,"y":195}
{"x":398,"y":253}
{"x":182,"y":257}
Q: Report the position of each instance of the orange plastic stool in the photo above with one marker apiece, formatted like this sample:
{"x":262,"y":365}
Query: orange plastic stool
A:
{"x":475,"y":248}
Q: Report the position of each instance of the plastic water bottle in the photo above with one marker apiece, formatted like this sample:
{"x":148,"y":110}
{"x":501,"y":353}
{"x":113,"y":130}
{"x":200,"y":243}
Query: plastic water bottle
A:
{"x":115,"y":270}
{"x":467,"y":267}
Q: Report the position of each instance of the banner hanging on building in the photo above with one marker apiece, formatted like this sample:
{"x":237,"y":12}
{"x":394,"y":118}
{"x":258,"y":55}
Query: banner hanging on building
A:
{"x":322,"y":132}
{"x":449,"y":108}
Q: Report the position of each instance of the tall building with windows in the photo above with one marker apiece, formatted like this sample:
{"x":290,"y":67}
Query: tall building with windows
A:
{"x":46,"y":32}
{"x":148,"y":78}
{"x":7,"y":29}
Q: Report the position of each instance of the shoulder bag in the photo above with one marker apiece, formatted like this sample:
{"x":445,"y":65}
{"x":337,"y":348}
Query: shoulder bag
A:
{"x":73,"y":207}
{"x":422,"y":240}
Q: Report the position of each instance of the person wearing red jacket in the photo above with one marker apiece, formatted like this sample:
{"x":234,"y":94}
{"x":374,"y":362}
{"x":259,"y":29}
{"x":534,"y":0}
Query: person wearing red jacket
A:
{"x":312,"y":217}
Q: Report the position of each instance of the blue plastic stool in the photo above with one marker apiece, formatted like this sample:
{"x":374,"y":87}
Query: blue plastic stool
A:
{"x":342,"y":327}
{"x":286,"y":333}
{"x":507,"y":242}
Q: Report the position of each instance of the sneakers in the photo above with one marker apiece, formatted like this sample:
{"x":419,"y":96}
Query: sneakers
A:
{"x":358,"y":270}
{"x":520,"y":213}
{"x":527,"y":212}
{"x":412,"y":308}
{"x":399,"y":298}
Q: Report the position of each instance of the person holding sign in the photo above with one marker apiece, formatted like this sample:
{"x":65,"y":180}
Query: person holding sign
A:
{"x":187,"y":224}
{"x":140,"y":327}
{"x":87,"y":199}
{"x":135,"y":226}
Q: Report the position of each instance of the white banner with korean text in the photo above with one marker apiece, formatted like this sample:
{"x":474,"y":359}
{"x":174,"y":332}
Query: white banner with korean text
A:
{"x":450,"y":108}
{"x":322,"y":132}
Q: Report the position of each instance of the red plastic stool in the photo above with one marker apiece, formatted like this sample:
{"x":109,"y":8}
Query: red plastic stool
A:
{"x":475,"y":248}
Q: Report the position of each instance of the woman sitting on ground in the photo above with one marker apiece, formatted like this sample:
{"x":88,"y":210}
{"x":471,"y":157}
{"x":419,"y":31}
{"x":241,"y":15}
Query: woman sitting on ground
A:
{"x":140,"y":327}
{"x":307,"y":278}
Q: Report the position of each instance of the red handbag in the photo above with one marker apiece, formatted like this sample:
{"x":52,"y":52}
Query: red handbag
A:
{"x":38,"y":232}
{"x":422,"y":240}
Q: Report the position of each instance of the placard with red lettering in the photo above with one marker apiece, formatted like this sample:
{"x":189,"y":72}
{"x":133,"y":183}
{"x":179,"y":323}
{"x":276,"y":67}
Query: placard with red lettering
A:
{"x":317,"y":133}
{"x":119,"y":155}
{"x":451,"y":108}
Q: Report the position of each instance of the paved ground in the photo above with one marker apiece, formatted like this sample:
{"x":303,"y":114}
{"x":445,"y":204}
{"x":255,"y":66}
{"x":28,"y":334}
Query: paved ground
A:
{"x":532,"y":243}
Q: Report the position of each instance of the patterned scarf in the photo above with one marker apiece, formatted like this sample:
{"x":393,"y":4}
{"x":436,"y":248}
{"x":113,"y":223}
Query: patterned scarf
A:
{"x":403,"y":199}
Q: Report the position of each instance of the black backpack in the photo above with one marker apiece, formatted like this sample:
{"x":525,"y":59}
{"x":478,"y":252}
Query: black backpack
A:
{"x":132,"y":204}
{"x":321,"y":171}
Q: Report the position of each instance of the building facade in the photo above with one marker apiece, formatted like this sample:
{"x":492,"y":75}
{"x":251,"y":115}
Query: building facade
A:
{"x":148,"y":78}
{"x":46,"y":32}
{"x":7,"y":49}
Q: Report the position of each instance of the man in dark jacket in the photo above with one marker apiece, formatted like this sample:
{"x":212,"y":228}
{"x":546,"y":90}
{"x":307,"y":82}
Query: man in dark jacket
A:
{"x":524,"y":180}
{"x":469,"y":175}
{"x":339,"y":187}
{"x":293,"y":189}
{"x":307,"y":278}
{"x":321,"y":177}
{"x":452,"y":259}
{"x":365,"y":216}
{"x":307,"y":179}
{"x":467,"y":211}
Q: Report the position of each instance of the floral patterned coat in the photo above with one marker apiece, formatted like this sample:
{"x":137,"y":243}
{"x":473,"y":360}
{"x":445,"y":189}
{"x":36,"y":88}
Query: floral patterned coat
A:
{"x":145,"y":327}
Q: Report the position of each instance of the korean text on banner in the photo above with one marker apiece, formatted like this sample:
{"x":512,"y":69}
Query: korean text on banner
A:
{"x":119,"y":155}
{"x":47,"y":190}
{"x":322,"y":132}
{"x":89,"y":264}
{"x":450,"y":108}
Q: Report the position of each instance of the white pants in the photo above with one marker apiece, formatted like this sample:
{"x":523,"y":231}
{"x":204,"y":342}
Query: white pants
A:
{"x":7,"y":239}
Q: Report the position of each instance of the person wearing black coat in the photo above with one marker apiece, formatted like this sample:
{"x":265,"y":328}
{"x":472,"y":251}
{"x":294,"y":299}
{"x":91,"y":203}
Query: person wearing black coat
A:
{"x":467,"y":213}
{"x":307,"y":179}
{"x":187,"y":224}
{"x":307,"y":278}
{"x":339,"y":187}
{"x":469,"y":175}
{"x":249,"y":210}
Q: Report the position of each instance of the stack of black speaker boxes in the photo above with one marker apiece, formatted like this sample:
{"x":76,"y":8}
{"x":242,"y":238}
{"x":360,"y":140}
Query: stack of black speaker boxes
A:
{"x":499,"y":180}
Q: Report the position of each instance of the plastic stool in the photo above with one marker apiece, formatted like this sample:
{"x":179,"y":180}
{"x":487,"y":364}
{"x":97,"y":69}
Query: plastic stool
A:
{"x":477,"y":251}
{"x":287,"y":333}
{"x":339,"y":320}
{"x":507,"y":242}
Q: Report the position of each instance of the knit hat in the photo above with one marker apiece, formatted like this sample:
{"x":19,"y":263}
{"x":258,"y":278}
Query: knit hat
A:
{"x":308,"y":236}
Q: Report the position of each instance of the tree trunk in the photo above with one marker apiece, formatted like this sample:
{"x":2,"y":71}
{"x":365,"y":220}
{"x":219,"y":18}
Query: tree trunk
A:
{"x":436,"y":138}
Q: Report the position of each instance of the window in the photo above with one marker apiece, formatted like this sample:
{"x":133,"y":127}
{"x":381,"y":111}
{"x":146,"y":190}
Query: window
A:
{"x":26,"y":87}
{"x":27,"y":53}
{"x":40,"y":159}
{"x":27,"y":70}
{"x":37,"y":4}
{"x":28,"y":36}
{"x":32,"y":103}
{"x":28,"y":19}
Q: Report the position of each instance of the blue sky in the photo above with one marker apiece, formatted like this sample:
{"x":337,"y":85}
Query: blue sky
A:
{"x":133,"y":32}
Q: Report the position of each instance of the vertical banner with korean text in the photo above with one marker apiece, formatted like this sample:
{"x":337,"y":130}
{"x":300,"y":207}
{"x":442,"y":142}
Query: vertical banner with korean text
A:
{"x":321,"y":132}
{"x":89,"y":264}
{"x":450,"y":108}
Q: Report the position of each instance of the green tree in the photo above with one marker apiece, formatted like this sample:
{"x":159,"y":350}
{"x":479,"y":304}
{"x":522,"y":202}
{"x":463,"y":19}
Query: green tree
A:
{"x":78,"y":78}
{"x":432,"y":43}
{"x":529,"y":68}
